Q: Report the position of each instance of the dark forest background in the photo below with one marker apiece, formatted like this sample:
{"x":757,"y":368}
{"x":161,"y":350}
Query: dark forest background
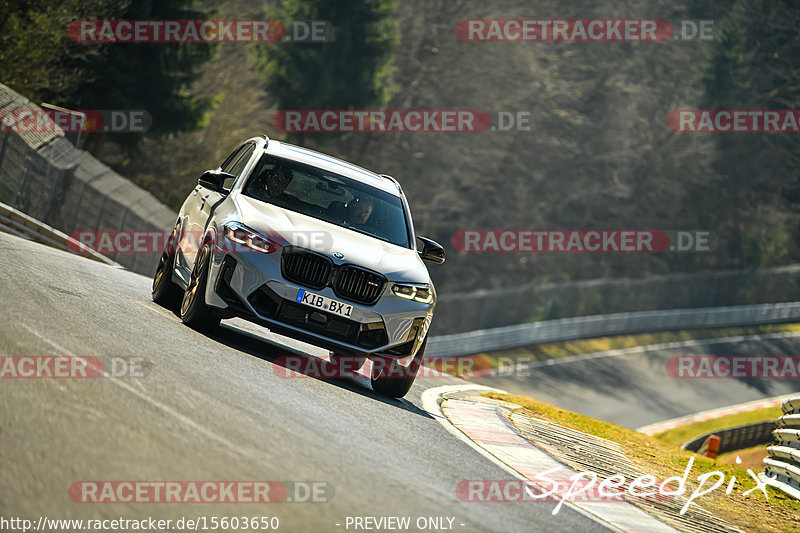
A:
{"x":599,"y":154}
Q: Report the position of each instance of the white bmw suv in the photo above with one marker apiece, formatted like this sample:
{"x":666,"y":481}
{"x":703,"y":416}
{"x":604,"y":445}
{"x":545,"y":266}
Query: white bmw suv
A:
{"x":310,"y":246}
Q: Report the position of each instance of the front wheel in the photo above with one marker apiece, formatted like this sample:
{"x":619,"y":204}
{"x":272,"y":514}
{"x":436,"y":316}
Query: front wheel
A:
{"x":194,"y":311}
{"x":164,"y":292}
{"x":392,"y":379}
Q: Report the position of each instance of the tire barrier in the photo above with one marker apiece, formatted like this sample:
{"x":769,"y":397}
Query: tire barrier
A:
{"x":782,"y":467}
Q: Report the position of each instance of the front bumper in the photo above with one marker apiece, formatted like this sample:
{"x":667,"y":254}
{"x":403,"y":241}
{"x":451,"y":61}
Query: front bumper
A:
{"x":251,"y":286}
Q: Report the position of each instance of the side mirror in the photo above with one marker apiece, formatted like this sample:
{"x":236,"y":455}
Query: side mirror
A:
{"x":214,"y":180}
{"x":431,"y":250}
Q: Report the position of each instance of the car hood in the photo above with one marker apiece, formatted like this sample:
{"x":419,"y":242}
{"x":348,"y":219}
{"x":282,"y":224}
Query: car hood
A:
{"x":295,"y":229}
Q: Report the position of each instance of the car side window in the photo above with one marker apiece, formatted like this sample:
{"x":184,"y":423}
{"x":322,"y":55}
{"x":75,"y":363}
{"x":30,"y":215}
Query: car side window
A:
{"x":238,"y":167}
{"x":229,"y":162}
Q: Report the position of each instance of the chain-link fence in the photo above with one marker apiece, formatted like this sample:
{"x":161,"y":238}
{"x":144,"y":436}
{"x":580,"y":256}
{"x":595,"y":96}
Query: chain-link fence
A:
{"x":43,"y":175}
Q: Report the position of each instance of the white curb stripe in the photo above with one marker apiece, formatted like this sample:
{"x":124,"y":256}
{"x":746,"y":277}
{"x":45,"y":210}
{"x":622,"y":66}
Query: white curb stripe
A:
{"x":618,"y":516}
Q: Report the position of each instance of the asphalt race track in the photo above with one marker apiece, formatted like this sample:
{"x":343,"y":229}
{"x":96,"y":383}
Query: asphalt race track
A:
{"x":212,"y":408}
{"x":632,"y":387}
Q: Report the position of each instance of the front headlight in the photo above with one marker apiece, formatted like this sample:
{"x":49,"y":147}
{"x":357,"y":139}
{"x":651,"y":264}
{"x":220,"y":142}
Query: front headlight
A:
{"x":241,"y":234}
{"x":419,"y":293}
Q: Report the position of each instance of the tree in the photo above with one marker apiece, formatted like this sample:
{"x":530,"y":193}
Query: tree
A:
{"x":39,"y":60}
{"x":37,"y":57}
{"x":149,"y":76}
{"x":751,"y":64}
{"x":350,"y":72}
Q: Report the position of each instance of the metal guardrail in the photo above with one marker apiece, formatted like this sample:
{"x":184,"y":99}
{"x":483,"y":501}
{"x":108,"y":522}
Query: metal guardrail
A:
{"x":538,"y":300}
{"x":18,"y":223}
{"x":486,"y":340}
{"x":783,"y":464}
{"x":736,"y":438}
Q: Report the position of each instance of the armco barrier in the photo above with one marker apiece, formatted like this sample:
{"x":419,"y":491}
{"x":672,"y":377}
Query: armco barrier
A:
{"x":45,"y":177}
{"x":534,"y":301}
{"x":18,"y":223}
{"x":485,"y":340}
{"x":783,"y":464}
{"x":736,"y":438}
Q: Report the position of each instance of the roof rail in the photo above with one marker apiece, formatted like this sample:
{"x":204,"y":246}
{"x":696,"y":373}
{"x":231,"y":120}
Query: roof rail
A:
{"x":388,"y":177}
{"x":266,"y":138}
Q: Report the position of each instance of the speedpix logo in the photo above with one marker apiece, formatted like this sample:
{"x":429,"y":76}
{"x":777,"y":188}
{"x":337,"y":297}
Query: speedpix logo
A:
{"x":561,"y":486}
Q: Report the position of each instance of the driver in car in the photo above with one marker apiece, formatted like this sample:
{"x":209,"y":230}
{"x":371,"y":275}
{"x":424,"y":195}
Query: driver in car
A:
{"x":277,"y":178}
{"x":360,"y":210}
{"x":270,"y":185}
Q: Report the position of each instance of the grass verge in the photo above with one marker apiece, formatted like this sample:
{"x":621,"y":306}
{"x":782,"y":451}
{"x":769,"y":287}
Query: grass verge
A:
{"x":680,"y":435}
{"x":753,"y":512}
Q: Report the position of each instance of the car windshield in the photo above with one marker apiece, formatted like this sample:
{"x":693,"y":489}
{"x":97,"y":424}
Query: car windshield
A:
{"x":330,"y":197}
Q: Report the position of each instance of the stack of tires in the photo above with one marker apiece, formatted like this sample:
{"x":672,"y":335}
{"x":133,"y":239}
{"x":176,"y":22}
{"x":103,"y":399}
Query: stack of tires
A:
{"x":782,"y":469}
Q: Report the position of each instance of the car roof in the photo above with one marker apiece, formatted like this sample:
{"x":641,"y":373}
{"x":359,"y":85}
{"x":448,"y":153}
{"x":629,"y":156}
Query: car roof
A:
{"x":331,"y":164}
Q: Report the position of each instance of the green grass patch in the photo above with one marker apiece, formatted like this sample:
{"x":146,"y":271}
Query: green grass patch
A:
{"x":653,"y":456}
{"x":680,"y":435}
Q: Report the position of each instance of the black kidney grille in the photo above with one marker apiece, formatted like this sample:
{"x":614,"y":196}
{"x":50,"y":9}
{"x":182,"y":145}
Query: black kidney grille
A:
{"x":358,"y":285}
{"x":306,"y":269}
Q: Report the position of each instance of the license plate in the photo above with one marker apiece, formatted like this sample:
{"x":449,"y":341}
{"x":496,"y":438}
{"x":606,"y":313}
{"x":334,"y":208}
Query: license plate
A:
{"x":324,"y":303}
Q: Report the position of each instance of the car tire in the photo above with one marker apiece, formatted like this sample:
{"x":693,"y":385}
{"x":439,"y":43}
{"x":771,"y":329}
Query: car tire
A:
{"x":194,"y":311}
{"x":395,"y":380}
{"x":164,"y":292}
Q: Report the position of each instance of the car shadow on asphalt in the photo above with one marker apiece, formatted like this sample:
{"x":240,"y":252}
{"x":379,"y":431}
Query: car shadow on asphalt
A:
{"x":303,"y":366}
